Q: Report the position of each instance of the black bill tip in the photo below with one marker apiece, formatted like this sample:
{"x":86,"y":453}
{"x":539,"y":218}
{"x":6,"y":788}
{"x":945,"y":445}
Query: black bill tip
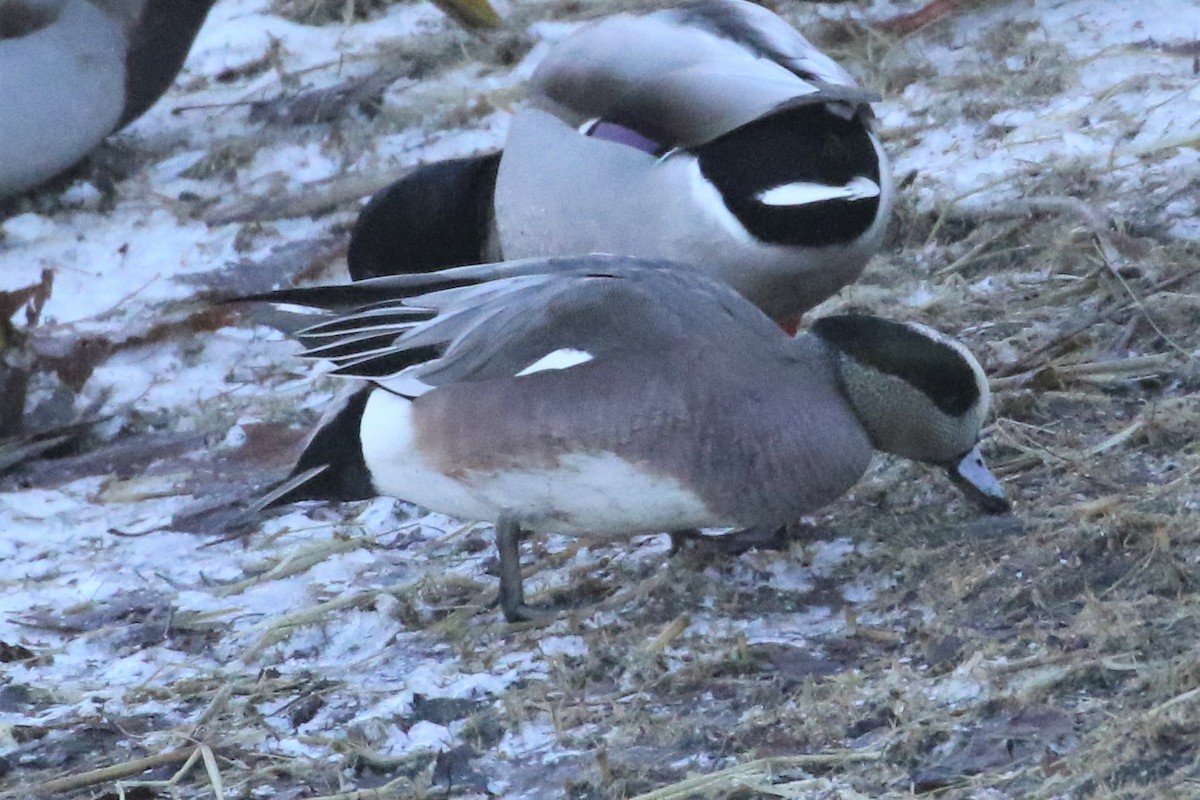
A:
{"x":971,"y":475}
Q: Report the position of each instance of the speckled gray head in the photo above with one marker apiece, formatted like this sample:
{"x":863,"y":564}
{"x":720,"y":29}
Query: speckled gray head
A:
{"x":919,"y":394}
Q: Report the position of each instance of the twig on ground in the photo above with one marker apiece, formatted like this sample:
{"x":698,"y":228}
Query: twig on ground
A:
{"x":1046,"y":204}
{"x":298,"y":562}
{"x":278,"y":627}
{"x":398,"y":787}
{"x":974,"y":254}
{"x":926,"y":15}
{"x":1177,"y":700}
{"x":1027,"y":361}
{"x":104,"y":774}
{"x":1095,"y":371}
{"x":215,"y":707}
{"x":1115,"y":262}
{"x":1165,"y":143}
{"x":668,"y":634}
{"x":199,"y":753}
{"x":316,"y":197}
{"x":735,"y":776}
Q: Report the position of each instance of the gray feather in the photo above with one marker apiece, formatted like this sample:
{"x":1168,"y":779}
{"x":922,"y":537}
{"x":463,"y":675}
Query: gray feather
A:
{"x":686,"y":76}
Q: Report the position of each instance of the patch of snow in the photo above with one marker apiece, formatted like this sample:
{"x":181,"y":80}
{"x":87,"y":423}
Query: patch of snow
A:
{"x":81,"y":545}
{"x":532,"y":737}
{"x":575,"y":646}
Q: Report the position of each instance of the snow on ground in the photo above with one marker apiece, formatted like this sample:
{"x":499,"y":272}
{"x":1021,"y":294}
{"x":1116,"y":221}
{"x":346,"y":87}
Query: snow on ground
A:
{"x":333,"y":648}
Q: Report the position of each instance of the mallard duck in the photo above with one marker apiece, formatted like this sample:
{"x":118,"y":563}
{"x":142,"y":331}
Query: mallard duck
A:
{"x":614,"y":395}
{"x":712,"y":133}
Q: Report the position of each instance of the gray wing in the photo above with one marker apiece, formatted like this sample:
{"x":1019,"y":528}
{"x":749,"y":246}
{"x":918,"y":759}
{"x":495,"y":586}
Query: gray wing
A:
{"x":408,"y":340}
{"x":685,"y":76}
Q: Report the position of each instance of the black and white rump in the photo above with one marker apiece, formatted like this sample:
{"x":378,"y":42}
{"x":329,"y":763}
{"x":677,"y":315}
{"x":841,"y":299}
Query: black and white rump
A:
{"x":614,"y":395}
{"x":712,"y":134}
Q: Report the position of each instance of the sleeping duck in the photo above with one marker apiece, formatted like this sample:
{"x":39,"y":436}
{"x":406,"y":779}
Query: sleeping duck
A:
{"x":712,"y":133}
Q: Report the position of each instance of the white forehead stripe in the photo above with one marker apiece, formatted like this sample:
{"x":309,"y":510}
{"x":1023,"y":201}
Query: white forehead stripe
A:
{"x":804,"y":193}
{"x":564,"y":358}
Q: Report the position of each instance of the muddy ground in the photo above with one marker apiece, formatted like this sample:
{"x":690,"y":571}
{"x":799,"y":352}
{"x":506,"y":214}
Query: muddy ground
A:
{"x":158,"y":640}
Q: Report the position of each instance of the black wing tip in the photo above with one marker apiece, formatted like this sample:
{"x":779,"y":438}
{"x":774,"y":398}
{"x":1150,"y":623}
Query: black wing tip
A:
{"x":361,"y":296}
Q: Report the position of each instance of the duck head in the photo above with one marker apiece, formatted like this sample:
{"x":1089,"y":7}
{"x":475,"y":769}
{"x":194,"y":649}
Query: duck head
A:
{"x":918,"y":394}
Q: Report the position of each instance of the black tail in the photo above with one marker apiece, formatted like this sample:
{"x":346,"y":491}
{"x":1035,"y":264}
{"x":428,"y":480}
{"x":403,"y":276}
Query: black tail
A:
{"x":437,"y":216}
{"x":160,"y":43}
{"x":337,"y":445}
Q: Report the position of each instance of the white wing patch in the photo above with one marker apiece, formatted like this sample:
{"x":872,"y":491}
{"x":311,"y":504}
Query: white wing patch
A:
{"x":804,"y":193}
{"x":564,"y":358}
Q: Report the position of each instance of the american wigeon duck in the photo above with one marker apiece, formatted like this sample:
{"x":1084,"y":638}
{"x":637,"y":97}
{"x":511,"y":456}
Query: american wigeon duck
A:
{"x":613,"y":395}
{"x":712,"y":133}
{"x":74,"y":71}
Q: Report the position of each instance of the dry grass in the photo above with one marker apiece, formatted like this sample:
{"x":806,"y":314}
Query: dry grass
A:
{"x":1053,"y":655}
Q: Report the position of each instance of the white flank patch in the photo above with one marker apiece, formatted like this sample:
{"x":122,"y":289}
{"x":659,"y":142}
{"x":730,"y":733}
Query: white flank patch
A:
{"x":800,"y":194}
{"x":564,"y":358}
{"x":397,"y":468}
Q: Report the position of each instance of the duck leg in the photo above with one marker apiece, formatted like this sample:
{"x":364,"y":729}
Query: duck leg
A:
{"x":512,"y":589}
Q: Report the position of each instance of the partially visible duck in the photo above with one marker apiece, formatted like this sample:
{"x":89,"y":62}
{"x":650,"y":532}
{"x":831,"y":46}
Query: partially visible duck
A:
{"x":712,"y":133}
{"x":74,"y":71}
{"x":613,"y":395}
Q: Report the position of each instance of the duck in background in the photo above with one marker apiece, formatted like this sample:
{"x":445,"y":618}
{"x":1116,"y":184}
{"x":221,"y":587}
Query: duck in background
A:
{"x":615,"y":395}
{"x":712,"y":134}
{"x":74,"y":71}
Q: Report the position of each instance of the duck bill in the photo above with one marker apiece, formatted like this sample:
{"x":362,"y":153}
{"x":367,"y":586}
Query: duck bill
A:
{"x":972,"y":476}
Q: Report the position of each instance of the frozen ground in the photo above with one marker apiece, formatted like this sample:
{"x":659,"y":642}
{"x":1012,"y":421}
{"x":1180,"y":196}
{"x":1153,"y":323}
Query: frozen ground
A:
{"x":1049,"y":153}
